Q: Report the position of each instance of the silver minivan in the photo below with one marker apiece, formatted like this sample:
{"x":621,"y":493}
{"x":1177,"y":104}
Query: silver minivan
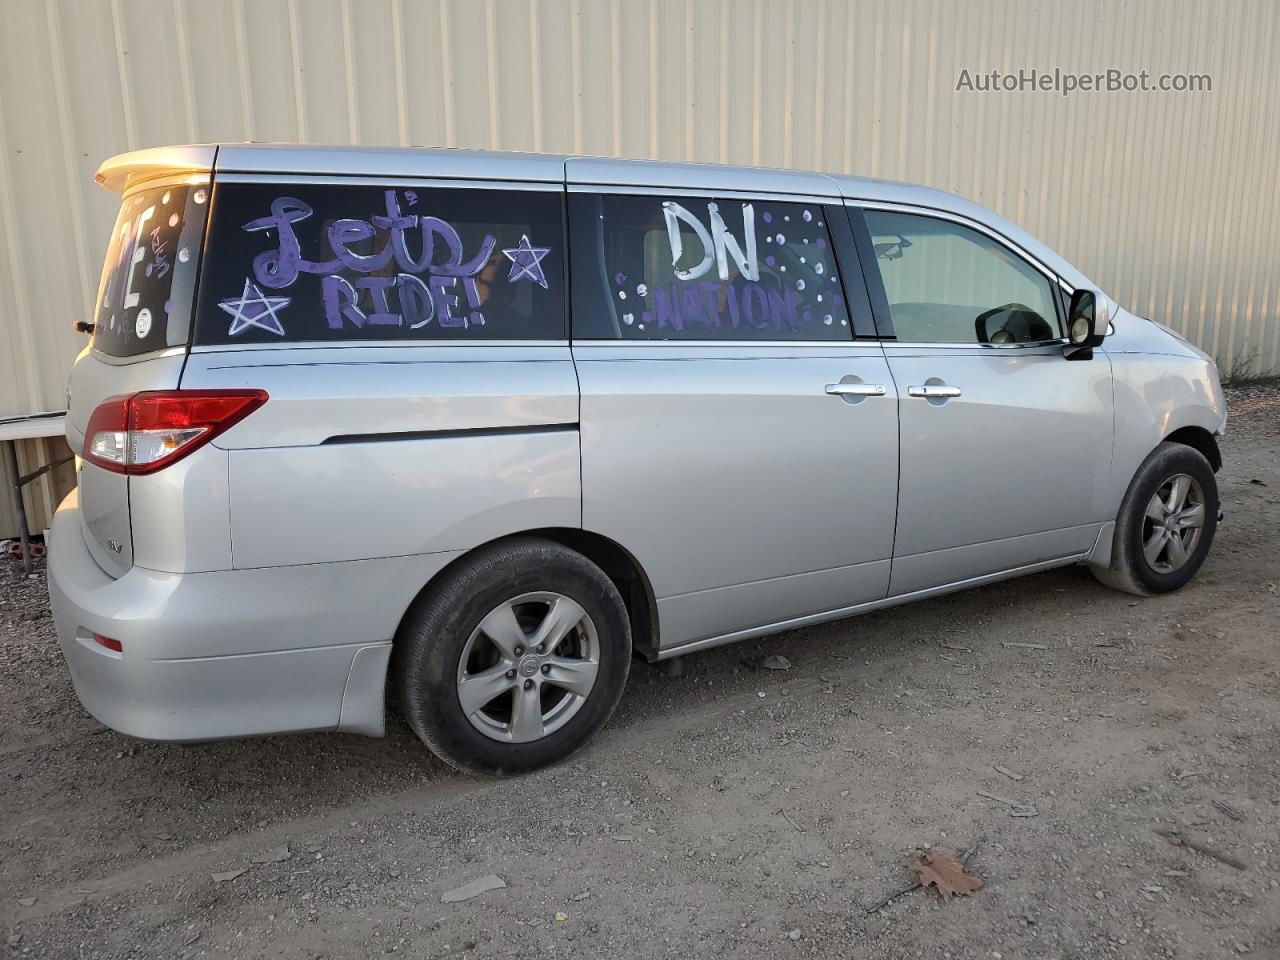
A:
{"x":473,"y":429}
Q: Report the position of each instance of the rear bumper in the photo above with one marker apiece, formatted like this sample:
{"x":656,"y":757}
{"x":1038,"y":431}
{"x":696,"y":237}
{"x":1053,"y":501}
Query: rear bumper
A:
{"x":229,"y":653}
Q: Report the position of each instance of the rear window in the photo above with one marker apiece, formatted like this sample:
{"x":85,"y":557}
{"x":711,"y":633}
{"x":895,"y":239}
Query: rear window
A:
{"x":696,"y":268}
{"x":292,"y":262}
{"x":144,"y":298}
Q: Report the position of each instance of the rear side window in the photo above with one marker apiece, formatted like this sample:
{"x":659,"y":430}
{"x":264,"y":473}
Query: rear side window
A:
{"x":696,"y":268}
{"x":144,"y":297}
{"x":292,"y":262}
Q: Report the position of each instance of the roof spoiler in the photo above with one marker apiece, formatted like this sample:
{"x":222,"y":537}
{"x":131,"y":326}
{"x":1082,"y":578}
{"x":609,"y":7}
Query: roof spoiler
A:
{"x":124,"y":170}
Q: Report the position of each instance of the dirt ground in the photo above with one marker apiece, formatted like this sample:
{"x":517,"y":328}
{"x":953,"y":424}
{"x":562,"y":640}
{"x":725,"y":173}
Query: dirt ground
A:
{"x":727,"y":812}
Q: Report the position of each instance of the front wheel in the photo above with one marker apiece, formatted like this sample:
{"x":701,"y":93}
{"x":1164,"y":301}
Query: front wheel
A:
{"x":1166,"y":523}
{"x":515,"y":659}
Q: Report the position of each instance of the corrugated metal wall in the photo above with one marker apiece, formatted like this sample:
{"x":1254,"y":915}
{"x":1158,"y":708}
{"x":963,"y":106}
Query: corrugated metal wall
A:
{"x":1168,"y":200}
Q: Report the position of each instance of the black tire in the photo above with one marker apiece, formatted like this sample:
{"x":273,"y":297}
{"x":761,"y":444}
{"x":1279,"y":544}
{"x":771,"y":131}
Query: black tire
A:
{"x":1130,"y":570}
{"x":431,"y":641}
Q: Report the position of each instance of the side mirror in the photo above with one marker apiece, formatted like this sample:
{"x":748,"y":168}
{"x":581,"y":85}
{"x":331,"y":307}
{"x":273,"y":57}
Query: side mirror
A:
{"x":1087,"y":323}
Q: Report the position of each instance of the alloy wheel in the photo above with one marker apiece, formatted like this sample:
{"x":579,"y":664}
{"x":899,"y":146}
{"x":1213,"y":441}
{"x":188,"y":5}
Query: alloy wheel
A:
{"x":1173,"y":523}
{"x":528,"y":667}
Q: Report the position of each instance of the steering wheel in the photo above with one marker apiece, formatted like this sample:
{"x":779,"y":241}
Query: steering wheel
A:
{"x":1002,"y":335}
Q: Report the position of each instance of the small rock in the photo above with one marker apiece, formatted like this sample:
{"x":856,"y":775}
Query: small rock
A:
{"x":581,"y":896}
{"x":275,"y":855}
{"x":473,"y":889}
{"x":26,"y":901}
{"x":226,"y":877}
{"x":793,"y":934}
{"x":775,"y":661}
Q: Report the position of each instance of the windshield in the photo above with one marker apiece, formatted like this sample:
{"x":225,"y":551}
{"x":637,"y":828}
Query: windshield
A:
{"x":144,"y":299}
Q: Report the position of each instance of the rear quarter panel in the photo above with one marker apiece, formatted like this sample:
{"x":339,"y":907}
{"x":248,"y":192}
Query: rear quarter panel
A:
{"x":365,"y":452}
{"x":179,"y":515}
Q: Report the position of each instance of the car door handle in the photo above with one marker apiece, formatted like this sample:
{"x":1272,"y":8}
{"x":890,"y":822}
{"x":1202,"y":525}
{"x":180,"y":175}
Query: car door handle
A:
{"x":930,"y":390}
{"x":855,"y":389}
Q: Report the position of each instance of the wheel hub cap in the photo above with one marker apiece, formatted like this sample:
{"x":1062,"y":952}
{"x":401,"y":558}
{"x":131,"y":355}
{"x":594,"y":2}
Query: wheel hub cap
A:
{"x":529,"y":665}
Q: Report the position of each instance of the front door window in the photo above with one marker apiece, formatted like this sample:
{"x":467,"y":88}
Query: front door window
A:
{"x":946,"y":283}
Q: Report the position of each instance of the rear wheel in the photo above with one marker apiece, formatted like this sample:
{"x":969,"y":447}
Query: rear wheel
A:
{"x":1166,"y":523}
{"x":515,"y":659}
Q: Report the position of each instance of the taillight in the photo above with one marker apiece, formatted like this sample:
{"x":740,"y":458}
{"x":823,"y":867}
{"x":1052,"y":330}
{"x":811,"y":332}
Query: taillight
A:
{"x":145,"y":432}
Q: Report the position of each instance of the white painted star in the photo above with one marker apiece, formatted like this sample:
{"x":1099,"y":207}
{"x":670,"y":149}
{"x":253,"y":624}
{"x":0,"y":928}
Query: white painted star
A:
{"x":253,"y":309}
{"x":526,"y":261}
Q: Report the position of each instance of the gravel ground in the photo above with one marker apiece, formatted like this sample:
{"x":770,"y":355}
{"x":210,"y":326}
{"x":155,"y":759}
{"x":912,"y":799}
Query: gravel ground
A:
{"x":727,"y":812}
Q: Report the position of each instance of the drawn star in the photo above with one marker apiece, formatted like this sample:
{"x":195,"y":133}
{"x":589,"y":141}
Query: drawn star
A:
{"x":526,"y":261}
{"x":253,"y":309}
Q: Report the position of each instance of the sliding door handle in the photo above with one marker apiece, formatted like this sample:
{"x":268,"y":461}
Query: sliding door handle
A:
{"x":855,"y":389}
{"x":932,"y":390}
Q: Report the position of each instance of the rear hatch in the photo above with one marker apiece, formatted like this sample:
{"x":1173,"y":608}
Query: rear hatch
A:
{"x":142,"y":318}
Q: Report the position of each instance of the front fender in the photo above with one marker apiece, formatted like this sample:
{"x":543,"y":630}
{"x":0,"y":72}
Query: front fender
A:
{"x":1155,"y":396}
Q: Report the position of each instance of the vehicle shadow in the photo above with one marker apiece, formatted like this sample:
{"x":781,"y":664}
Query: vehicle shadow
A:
{"x":138,"y":798}
{"x":325,"y":769}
